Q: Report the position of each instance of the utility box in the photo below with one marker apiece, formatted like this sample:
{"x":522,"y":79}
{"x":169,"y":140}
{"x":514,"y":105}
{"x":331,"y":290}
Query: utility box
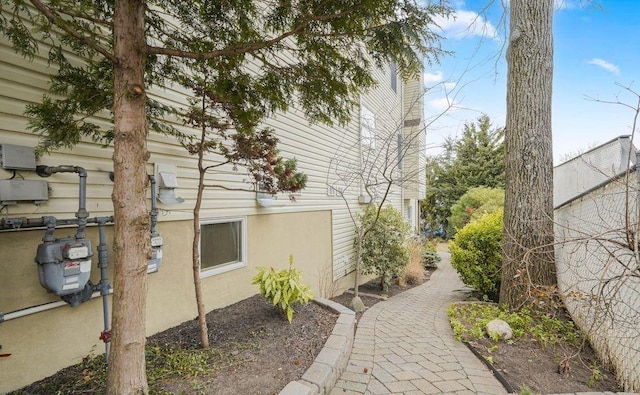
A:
{"x":64,"y":265}
{"x":16,"y":191}
{"x":17,"y":157}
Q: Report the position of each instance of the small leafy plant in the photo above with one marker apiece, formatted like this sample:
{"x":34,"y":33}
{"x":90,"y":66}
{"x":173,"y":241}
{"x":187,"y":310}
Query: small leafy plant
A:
{"x":596,"y":375}
{"x":283,"y":288}
{"x":524,"y":390}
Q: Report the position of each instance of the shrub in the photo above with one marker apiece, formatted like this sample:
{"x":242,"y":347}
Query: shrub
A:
{"x":284,"y":287}
{"x":476,"y":253}
{"x":430,"y":257}
{"x":473,"y":204}
{"x":413,"y":273}
{"x":383,"y":253}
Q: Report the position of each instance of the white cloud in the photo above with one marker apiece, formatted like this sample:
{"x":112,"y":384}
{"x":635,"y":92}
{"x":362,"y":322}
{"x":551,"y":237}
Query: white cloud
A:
{"x":449,"y":86}
{"x":433,"y":77}
{"x":605,"y":65}
{"x":464,"y":24}
{"x":442,"y":104}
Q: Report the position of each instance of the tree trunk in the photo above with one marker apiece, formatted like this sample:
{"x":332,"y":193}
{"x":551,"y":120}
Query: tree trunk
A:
{"x":202,"y":313}
{"x":528,"y":270}
{"x":127,"y":373}
{"x":356,"y":280}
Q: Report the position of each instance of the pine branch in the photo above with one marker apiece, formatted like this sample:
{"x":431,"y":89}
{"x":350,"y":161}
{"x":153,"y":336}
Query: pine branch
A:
{"x":239,"y":49}
{"x":60,"y":23}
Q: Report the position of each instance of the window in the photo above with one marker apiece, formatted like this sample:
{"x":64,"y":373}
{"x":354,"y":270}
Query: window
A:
{"x":222,"y":246}
{"x":393,"y":70}
{"x":367,"y":128}
{"x":410,"y":215}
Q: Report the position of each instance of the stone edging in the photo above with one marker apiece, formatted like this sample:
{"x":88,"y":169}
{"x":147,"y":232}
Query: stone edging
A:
{"x":322,"y":375}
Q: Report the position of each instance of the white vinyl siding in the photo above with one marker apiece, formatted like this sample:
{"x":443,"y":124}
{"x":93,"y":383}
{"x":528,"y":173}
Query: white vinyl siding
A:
{"x":414,"y":137}
{"x":315,"y":146}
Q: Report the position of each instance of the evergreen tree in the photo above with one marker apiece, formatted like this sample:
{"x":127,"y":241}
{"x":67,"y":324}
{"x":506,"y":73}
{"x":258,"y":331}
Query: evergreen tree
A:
{"x":474,"y":159}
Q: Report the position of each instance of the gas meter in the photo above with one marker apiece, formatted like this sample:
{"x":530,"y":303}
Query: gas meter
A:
{"x":153,"y":265}
{"x":64,"y":267}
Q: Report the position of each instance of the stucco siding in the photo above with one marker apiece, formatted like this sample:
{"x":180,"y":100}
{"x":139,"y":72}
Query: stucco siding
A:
{"x":45,"y":342}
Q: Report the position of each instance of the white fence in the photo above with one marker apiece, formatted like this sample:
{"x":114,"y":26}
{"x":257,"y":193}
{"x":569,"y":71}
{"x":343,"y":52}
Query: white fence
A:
{"x":598,"y":263}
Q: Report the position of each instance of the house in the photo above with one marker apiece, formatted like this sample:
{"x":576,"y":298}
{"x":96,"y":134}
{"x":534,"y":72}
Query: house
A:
{"x":596,"y":231}
{"x":43,"y":334}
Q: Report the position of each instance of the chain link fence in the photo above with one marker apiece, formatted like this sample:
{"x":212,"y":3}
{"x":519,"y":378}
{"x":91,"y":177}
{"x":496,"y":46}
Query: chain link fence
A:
{"x":598,"y":264}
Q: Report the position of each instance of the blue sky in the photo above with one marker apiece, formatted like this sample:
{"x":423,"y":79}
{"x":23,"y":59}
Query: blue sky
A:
{"x":597,"y":45}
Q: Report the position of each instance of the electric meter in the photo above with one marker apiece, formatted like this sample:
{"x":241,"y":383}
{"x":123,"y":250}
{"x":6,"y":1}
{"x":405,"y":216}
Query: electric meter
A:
{"x":154,"y":263}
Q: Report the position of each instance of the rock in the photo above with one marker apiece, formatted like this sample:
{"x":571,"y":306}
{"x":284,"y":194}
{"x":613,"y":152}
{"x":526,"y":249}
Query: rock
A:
{"x":499,"y":329}
{"x":357,"y":305}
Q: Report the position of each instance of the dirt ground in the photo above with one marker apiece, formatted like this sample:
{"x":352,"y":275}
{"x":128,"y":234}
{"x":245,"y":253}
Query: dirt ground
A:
{"x":258,"y":352}
{"x":552,"y":369}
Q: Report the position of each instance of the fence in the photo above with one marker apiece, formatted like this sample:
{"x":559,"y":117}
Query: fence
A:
{"x":598,"y":263}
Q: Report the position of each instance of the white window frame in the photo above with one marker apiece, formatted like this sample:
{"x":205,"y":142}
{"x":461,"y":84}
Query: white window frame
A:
{"x":367,"y":127}
{"x":393,"y":74}
{"x":225,"y":267}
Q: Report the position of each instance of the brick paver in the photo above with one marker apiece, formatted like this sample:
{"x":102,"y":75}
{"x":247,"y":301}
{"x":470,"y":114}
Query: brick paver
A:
{"x":404,"y":345}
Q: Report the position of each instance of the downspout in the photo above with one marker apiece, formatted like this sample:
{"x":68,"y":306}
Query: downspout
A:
{"x":154,"y":207}
{"x":400,"y":164}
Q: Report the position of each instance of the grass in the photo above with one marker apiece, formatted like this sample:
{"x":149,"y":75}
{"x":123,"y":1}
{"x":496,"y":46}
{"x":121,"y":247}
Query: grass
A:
{"x":468,"y":321}
{"x":414,"y":272}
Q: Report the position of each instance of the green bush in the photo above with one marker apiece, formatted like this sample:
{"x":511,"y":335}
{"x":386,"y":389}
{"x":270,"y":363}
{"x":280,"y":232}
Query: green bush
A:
{"x":383,"y":252}
{"x":284,"y":287}
{"x":473,"y":204}
{"x":476,"y":253}
{"x":430,"y":257}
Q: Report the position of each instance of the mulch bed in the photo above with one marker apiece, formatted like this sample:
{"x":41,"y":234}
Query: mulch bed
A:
{"x":546,"y":370}
{"x":258,"y":352}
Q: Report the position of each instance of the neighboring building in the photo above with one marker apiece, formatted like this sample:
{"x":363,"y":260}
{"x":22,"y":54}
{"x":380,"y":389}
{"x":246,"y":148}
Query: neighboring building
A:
{"x":596,"y":230}
{"x":43,"y":334}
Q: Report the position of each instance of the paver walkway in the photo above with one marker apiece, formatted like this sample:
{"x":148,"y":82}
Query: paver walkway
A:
{"x":405,"y":346}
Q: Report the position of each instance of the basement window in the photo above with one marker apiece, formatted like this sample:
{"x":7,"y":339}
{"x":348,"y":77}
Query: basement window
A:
{"x":223,"y":245}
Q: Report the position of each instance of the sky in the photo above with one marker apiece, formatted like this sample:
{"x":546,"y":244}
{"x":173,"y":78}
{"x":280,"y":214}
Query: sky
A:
{"x":596,"y":56}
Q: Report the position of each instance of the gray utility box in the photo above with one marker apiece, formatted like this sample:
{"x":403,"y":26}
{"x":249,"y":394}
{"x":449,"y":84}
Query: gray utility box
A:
{"x":17,"y":157}
{"x":64,"y":265}
{"x":14,"y":191}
